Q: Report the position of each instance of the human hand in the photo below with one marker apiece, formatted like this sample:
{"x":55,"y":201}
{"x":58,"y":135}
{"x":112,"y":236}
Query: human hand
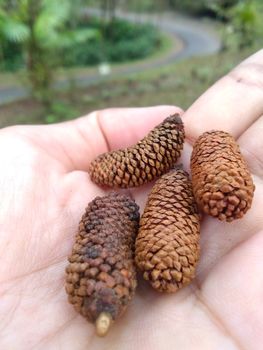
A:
{"x":44,"y":190}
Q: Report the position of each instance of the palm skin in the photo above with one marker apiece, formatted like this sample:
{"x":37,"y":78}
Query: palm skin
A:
{"x":44,"y":190}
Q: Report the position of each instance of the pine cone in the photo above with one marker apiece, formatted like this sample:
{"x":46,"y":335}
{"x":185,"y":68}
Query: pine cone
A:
{"x":151,"y":157}
{"x":101,"y":276}
{"x":167,"y":245}
{"x":222,"y":183}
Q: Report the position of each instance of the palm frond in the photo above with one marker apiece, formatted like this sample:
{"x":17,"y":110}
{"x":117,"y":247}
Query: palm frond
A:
{"x":14,"y":31}
{"x":77,"y":36}
{"x":52,"y":17}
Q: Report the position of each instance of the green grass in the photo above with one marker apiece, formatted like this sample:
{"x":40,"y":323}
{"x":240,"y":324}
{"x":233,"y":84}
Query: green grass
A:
{"x":178,"y":84}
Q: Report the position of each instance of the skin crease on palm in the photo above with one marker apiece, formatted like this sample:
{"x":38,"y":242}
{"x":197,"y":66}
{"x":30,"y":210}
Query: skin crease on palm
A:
{"x":44,"y":188}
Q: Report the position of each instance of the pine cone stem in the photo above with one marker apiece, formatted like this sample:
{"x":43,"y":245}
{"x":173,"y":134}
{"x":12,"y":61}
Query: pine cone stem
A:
{"x":103,"y":323}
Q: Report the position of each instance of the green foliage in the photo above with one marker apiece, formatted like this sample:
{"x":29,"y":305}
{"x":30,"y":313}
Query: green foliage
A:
{"x":245,"y":21}
{"x":50,"y":21}
{"x":15,"y":31}
{"x":84,"y":42}
{"x":244,"y":25}
{"x":200,"y":7}
{"x":60,"y":111}
{"x":77,"y":36}
{"x":12,"y":56}
{"x":116,"y":41}
{"x":128,"y":41}
{"x":81,"y":47}
{"x":34,"y":26}
{"x":35,"y":31}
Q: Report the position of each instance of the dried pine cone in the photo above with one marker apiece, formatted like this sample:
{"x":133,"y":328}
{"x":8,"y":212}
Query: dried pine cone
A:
{"x":101,"y":276}
{"x":222,"y":183}
{"x":167,"y":245}
{"x":151,"y":157}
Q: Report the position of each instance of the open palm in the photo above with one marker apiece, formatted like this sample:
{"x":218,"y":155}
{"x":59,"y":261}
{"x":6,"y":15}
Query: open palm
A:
{"x":44,"y":189}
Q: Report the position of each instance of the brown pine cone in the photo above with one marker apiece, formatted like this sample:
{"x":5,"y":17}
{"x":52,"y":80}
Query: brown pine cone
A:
{"x":101,"y":276}
{"x":167,"y":245}
{"x":151,"y":157}
{"x":222,"y":184}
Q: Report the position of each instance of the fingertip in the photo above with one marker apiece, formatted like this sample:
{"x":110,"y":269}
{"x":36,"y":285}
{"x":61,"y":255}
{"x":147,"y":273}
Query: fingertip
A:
{"x":232,"y":104}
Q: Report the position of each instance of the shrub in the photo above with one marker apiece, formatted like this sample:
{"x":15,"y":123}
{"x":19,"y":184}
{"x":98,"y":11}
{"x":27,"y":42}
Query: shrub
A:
{"x":93,"y":42}
{"x":12,"y":58}
{"x":119,"y":41}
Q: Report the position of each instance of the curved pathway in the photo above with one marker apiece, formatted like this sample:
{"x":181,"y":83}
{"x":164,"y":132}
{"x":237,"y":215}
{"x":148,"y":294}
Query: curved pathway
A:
{"x":191,"y":38}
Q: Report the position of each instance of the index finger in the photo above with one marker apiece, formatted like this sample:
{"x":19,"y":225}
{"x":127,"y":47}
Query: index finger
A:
{"x":232,"y":104}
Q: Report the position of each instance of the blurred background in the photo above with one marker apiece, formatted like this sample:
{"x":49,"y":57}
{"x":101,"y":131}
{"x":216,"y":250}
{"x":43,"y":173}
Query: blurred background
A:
{"x":60,"y":59}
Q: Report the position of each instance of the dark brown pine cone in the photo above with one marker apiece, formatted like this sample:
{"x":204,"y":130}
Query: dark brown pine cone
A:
{"x":101,"y":276}
{"x":151,"y":157}
{"x":222,"y":184}
{"x":167,"y":245}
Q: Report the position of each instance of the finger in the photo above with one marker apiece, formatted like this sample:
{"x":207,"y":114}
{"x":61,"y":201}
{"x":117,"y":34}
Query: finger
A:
{"x":123,"y":127}
{"x":232,"y":104}
{"x":251,"y":143}
{"x":109,"y":129}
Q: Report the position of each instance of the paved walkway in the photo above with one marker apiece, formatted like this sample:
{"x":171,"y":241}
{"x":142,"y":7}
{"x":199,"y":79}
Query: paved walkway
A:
{"x":191,"y":38}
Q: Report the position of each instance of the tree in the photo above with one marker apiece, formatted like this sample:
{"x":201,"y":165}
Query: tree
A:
{"x":244,"y":24}
{"x":108,"y":8}
{"x":41,"y":27}
{"x":244,"y":18}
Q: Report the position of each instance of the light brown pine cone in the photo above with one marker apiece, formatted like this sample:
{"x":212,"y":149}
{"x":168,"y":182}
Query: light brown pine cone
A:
{"x":222,"y":184}
{"x":101,"y":275}
{"x":167,"y":245}
{"x":151,"y":157}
